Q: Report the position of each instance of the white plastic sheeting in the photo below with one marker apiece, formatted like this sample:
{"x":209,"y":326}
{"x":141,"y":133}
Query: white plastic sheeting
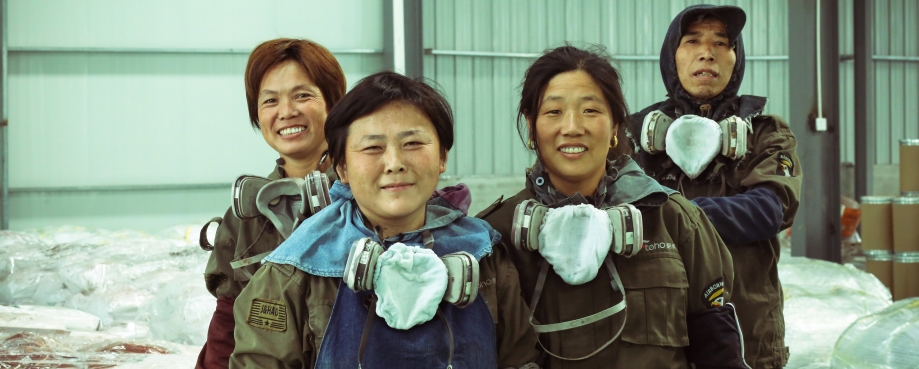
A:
{"x":888,"y":339}
{"x":121,"y":288}
{"x":821,"y":300}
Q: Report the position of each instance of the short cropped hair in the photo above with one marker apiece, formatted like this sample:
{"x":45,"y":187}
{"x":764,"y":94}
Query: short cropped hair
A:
{"x":596,"y":62}
{"x":318,"y":63}
{"x":378,"y":90}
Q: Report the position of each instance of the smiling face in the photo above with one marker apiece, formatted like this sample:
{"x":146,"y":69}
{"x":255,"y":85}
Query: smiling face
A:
{"x":574,"y":130}
{"x":292,"y":112}
{"x":705,"y":59}
{"x":393,"y":163}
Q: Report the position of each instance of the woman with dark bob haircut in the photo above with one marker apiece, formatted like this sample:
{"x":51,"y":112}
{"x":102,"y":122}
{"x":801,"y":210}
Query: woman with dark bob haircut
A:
{"x":290,"y":85}
{"x":388,"y":275}
{"x":618,"y":269}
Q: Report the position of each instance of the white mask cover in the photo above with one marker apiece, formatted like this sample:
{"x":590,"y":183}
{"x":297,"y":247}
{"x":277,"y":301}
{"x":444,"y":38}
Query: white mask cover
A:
{"x":410,"y":283}
{"x":692,"y":142}
{"x":575,"y":239}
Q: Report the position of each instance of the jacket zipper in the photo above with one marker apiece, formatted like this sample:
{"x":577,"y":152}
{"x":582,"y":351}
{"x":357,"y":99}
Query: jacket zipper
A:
{"x":706,"y":110}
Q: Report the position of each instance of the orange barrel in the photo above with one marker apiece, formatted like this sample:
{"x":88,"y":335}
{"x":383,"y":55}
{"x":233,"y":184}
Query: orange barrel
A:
{"x":905,"y":212}
{"x":905,"y":275}
{"x":877,"y":224}
{"x":909,"y":167}
{"x":880,"y":264}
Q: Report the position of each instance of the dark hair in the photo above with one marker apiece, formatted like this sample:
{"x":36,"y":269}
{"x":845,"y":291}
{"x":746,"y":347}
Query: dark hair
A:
{"x":596,"y":63}
{"x":378,"y":90}
{"x":317,"y":62}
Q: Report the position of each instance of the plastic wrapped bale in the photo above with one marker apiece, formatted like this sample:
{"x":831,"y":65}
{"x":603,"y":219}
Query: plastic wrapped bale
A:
{"x":888,"y":339}
{"x":22,"y":273}
{"x":821,"y":300}
{"x":115,"y":276}
{"x":45,"y":349}
{"x":47,"y":317}
{"x":181,"y":310}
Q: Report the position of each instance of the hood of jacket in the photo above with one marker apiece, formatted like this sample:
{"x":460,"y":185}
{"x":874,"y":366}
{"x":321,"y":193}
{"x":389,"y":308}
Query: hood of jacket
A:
{"x":734,"y":19}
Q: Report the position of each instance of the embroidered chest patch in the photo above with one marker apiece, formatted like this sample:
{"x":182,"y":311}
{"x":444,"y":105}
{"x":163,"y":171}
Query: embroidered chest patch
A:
{"x":713,"y":295}
{"x":786,"y":167}
{"x":268,"y":314}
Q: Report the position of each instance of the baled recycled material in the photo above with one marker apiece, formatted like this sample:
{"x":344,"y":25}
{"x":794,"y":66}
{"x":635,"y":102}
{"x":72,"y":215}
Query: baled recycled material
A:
{"x":575,"y":256}
{"x":296,"y":339}
{"x":749,"y":200}
{"x":410,"y":283}
{"x":665,"y":283}
{"x":692,"y":142}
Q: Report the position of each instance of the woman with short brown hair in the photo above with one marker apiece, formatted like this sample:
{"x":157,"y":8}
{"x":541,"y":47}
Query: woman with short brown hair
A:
{"x":291,"y":85}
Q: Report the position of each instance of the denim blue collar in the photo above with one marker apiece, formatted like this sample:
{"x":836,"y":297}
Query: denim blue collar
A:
{"x":320,"y":245}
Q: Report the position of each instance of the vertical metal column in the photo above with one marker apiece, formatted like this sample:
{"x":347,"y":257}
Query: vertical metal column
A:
{"x":816,"y":232}
{"x":865,"y":125}
{"x":414,"y":49}
{"x":402,"y":37}
{"x":4,"y":116}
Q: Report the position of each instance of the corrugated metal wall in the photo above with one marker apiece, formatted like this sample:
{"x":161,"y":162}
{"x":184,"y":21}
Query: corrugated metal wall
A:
{"x":484,"y":89}
{"x":896,"y":82}
{"x":82,"y":118}
{"x":113,"y":118}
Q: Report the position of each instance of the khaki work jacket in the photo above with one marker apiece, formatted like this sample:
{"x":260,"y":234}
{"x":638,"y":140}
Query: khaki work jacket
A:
{"x":237,"y":239}
{"x":308,"y":301}
{"x":664,"y":284}
{"x":771,"y":161}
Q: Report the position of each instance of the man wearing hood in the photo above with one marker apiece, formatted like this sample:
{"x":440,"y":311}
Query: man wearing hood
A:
{"x":739,"y":166}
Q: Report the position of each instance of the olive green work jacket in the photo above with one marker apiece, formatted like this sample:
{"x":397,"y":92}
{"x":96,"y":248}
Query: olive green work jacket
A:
{"x":308,"y":302}
{"x":771,"y":161}
{"x":664,"y":284}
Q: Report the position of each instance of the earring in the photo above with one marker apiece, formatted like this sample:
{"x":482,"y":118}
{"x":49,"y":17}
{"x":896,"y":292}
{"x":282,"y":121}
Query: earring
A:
{"x":615,"y":142}
{"x":531,"y":145}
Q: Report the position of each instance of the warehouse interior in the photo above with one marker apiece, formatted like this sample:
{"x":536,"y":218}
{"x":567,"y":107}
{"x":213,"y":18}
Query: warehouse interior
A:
{"x":124,"y":125}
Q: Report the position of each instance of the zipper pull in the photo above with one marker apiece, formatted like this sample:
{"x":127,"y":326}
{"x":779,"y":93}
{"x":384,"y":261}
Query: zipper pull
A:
{"x":706,"y":110}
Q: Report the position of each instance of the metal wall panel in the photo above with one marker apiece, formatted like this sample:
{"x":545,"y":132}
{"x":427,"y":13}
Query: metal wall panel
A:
{"x":484,"y":90}
{"x":193,"y":24}
{"x":897,"y":96}
{"x":123,"y":119}
{"x":84,"y":117}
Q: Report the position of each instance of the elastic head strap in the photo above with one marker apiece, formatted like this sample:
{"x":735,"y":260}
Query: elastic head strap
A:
{"x":450,"y":334}
{"x":202,"y":238}
{"x":371,"y":313}
{"x":616,"y":284}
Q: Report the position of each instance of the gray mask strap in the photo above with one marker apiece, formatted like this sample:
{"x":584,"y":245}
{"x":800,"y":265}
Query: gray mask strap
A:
{"x":428,"y":239}
{"x":615,"y":282}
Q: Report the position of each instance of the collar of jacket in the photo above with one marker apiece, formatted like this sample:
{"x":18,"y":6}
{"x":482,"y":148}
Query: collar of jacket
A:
{"x":279,"y":172}
{"x":321,"y":244}
{"x":624,"y":183}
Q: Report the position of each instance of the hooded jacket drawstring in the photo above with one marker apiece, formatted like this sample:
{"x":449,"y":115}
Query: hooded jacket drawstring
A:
{"x":679,"y":186}
{"x":719,"y":169}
